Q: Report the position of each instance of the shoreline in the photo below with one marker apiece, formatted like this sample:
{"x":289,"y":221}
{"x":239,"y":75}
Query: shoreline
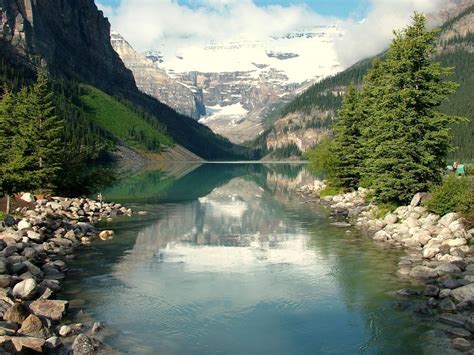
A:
{"x":34,"y":253}
{"x":439,"y":254}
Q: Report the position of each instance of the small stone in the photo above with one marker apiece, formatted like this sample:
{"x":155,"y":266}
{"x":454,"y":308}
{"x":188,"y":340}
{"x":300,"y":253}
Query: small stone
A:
{"x":27,"y":197}
{"x":461,"y":344}
{"x":53,"y":343}
{"x":5,"y":281}
{"x":65,"y":331}
{"x":97,"y":327}
{"x":444,"y":293}
{"x":23,"y":224}
{"x":454,"y":283}
{"x":25,"y":289}
{"x":447,"y":305}
{"x":32,"y":235}
{"x":432,"y":303}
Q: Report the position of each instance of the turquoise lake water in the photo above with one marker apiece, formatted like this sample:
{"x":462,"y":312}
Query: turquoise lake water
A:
{"x":229,"y":260}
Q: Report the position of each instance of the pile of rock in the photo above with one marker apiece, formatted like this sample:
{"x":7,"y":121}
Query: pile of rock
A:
{"x":433,"y":237}
{"x":33,"y":255}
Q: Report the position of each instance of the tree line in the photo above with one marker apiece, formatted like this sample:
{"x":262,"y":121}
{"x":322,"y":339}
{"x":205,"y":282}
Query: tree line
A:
{"x":390,"y":135}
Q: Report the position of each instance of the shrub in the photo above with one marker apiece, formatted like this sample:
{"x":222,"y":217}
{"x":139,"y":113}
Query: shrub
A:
{"x":455,"y":194}
{"x":321,"y":159}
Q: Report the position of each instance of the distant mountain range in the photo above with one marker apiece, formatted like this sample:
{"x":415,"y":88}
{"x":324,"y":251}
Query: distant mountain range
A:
{"x":232,"y":86}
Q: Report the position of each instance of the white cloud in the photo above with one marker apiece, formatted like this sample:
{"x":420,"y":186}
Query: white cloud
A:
{"x":369,"y":37}
{"x":148,"y":23}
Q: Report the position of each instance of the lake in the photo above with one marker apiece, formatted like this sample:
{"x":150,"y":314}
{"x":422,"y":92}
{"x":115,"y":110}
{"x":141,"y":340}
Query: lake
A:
{"x":229,"y":260}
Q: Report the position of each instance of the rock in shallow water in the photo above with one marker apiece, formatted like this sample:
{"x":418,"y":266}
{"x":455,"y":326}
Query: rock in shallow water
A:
{"x":464,"y":293}
{"x":423,"y":272}
{"x":461,"y":344}
{"x":85,"y":345}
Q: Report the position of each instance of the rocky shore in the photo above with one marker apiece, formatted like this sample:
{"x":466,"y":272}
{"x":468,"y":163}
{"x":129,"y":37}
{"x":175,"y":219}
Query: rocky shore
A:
{"x":439,"y":254}
{"x":34,"y":251}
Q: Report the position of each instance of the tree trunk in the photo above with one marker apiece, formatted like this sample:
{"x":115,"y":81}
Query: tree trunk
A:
{"x":8,"y":204}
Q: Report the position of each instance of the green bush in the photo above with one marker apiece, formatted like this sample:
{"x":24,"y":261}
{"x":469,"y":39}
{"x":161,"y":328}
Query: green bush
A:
{"x":320,"y":157}
{"x":455,"y":194}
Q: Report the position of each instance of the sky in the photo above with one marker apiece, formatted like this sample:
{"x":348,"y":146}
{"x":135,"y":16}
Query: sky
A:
{"x":367,"y":24}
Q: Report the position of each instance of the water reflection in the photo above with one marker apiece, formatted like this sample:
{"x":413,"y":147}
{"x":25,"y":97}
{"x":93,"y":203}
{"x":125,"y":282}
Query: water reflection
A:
{"x":229,"y":261}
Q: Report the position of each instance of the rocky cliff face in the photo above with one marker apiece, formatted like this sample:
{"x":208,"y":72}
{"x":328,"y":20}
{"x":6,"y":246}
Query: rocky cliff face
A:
{"x":304,"y":131}
{"x":156,"y":82}
{"x":72,"y":37}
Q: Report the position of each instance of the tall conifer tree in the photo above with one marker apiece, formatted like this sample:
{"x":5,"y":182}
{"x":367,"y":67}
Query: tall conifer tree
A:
{"x":406,"y":139}
{"x":346,"y":147}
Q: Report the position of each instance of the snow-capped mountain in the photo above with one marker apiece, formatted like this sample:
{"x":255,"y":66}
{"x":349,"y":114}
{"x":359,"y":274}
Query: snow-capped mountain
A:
{"x":242,"y":80}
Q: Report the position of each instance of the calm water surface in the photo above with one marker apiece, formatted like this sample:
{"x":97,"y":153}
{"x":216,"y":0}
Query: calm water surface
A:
{"x":229,"y":261}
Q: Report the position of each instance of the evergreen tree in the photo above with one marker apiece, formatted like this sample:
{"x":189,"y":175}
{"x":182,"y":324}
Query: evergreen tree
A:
{"x":15,"y":162}
{"x":406,"y":138}
{"x":45,"y":129}
{"x":346,"y":147}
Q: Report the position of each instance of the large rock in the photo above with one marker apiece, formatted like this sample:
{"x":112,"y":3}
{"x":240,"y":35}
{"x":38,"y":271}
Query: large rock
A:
{"x":464,"y":293}
{"x":25,"y":289}
{"x":32,"y":326}
{"x":381,"y":236}
{"x":447,"y":219}
{"x":447,"y":269}
{"x":430,"y":252}
{"x":461,"y":344}
{"x":391,"y":218}
{"x":423,"y":272}
{"x":85,"y":345}
{"x":51,"y":309}
{"x":23,"y":344}
{"x":418,"y":198}
{"x":16,"y":313}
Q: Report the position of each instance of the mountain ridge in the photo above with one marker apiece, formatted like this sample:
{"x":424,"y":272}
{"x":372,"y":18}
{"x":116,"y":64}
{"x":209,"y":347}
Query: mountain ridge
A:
{"x":73,"y":40}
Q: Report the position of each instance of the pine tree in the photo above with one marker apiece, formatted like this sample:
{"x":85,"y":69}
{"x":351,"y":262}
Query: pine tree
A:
{"x":45,"y":129}
{"x":15,"y":162}
{"x":406,"y":139}
{"x":346,"y":147}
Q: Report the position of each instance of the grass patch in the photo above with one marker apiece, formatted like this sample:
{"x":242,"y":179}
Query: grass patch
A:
{"x":330,"y":191}
{"x":137,"y":129}
{"x":383,"y":209}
